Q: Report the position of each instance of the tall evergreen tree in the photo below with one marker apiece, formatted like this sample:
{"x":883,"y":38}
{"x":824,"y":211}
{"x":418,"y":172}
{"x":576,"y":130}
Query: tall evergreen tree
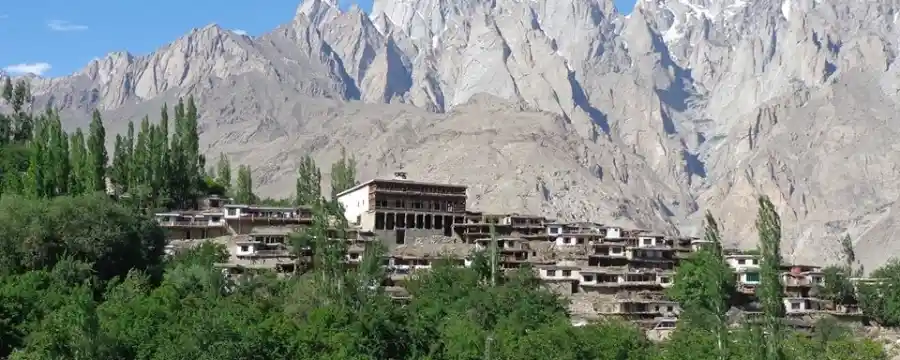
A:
{"x":309,"y":182}
{"x":343,"y":174}
{"x":97,"y":153}
{"x":770,"y":294}
{"x":223,"y":172}
{"x":243,"y":192}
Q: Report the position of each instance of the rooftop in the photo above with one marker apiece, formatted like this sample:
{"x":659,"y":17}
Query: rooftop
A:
{"x":402,"y":180}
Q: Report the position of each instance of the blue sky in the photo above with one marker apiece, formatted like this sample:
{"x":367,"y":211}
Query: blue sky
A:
{"x":58,"y":37}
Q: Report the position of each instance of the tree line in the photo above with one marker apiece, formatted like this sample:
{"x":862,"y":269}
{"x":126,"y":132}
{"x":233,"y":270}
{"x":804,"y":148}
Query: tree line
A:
{"x":155,"y":165}
{"x":308,"y":186}
{"x":87,"y":279}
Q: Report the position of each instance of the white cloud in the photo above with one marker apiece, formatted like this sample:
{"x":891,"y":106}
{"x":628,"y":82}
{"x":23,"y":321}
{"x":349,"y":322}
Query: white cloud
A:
{"x":21,"y":69}
{"x":62,"y":25}
{"x":240,"y":32}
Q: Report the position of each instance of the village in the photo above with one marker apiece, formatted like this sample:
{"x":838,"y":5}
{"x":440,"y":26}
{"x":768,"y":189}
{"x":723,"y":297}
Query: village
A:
{"x":605,"y":271}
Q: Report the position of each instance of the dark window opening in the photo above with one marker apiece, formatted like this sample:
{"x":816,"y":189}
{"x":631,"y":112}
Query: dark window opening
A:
{"x":428,"y":221}
{"x":379,"y":221}
{"x":400,"y":237}
{"x":420,"y":221}
{"x":389,"y":221}
{"x":401,"y":220}
{"x":448,"y":226}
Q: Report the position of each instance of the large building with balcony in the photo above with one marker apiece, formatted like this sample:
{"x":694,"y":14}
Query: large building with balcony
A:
{"x":399,"y":209}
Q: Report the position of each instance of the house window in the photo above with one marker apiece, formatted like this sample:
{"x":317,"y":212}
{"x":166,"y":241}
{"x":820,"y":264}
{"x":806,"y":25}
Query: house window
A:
{"x":741,"y":261}
{"x":795,"y":306}
{"x":232,"y":212}
{"x":551,"y":273}
{"x":670,"y":309}
{"x":245,"y":248}
{"x":216,"y":219}
{"x":648,"y":241}
{"x":567,"y":273}
{"x":751,"y":277}
{"x":664,"y":280}
{"x":588,"y":278}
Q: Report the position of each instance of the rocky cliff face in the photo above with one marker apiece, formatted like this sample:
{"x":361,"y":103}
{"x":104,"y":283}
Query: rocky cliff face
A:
{"x":569,"y":109}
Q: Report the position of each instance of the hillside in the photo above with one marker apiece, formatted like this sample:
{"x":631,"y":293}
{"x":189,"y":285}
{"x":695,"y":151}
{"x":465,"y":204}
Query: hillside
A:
{"x":569,"y":109}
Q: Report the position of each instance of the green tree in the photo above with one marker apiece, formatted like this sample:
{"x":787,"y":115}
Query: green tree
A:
{"x":770,"y":295}
{"x":96,"y":144}
{"x":223,"y":172}
{"x":877,"y":300}
{"x":703,"y":286}
{"x":343,"y":174}
{"x":78,"y":178}
{"x":309,"y":182}
{"x":243,"y":192}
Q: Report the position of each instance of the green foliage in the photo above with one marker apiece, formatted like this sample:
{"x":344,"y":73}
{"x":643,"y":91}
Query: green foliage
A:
{"x":243,"y":191}
{"x":770,"y":294}
{"x":309,"y":182}
{"x":343,"y":174}
{"x":837,"y":286}
{"x":878,"y":300}
{"x":38,"y":233}
{"x":223,"y":172}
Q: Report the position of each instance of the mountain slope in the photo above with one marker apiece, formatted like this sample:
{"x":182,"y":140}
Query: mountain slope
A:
{"x":563,"y":108}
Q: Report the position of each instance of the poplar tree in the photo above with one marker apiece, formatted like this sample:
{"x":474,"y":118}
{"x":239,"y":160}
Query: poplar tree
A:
{"x":97,"y":153}
{"x":6,"y":130}
{"x":119,"y":169}
{"x":703,"y":286}
{"x":244,"y":187}
{"x":23,"y":122}
{"x":343,"y":174}
{"x":223,"y":172}
{"x":161,"y":154}
{"x":770,"y":294}
{"x":57,"y":155}
{"x":78,"y":177}
{"x":129,"y":170}
{"x":35,"y":181}
{"x":309,"y":182}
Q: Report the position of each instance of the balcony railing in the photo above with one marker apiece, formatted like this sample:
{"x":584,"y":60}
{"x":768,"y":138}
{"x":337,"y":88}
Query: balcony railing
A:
{"x":191,"y":223}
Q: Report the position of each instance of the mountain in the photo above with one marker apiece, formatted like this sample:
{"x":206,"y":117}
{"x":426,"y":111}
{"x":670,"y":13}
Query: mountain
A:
{"x":568,"y":109}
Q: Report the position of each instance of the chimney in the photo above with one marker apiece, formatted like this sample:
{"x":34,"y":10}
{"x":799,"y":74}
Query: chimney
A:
{"x":400,"y":175}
